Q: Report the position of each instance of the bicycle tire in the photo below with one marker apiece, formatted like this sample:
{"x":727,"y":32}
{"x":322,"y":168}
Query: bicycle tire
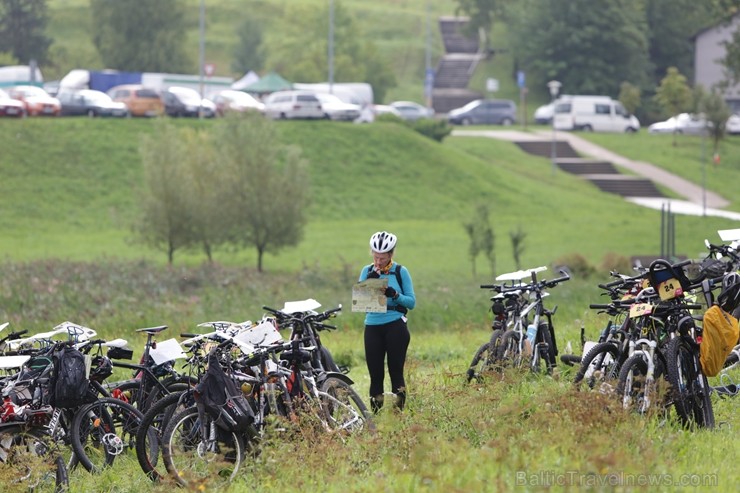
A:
{"x":103,"y":430}
{"x":171,"y":384}
{"x":633,"y":387}
{"x":478,"y":363}
{"x":327,"y":360}
{"x":20,"y":450}
{"x":155,"y":420}
{"x":509,"y":354}
{"x":690,"y":389}
{"x":354,"y":418}
{"x":494,"y":343}
{"x":188,"y":457}
{"x":600,"y":365}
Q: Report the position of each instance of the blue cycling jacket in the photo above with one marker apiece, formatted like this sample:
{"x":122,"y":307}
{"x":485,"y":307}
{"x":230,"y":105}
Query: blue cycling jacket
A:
{"x":406,"y":298}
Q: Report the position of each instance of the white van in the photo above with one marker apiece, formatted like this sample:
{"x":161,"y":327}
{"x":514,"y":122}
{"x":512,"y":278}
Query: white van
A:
{"x":594,"y":114}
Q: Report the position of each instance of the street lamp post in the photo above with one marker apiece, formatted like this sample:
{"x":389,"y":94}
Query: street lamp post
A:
{"x":554,"y":87}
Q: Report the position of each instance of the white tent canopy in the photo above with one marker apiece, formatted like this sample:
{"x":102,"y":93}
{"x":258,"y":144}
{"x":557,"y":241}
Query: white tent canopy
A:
{"x":249,"y":78}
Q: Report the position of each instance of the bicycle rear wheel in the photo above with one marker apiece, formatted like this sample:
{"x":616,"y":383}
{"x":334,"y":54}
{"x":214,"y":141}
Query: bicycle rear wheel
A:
{"x":149,"y":435}
{"x":509,"y":353}
{"x":103,"y":431}
{"x":32,"y":460}
{"x":689,"y":387}
{"x":599,"y":367}
{"x":344,"y":408}
{"x":479,"y":362}
{"x":195,"y":449}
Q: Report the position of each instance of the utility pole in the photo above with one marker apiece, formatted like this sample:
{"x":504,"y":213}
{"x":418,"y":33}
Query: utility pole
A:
{"x":330,"y":54}
{"x":202,"y":51}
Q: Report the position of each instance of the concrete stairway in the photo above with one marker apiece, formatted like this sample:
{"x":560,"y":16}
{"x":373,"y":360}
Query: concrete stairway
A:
{"x":455,"y":68}
{"x":601,"y":173}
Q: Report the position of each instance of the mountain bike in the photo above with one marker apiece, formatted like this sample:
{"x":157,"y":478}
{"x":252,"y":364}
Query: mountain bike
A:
{"x":532,"y":340}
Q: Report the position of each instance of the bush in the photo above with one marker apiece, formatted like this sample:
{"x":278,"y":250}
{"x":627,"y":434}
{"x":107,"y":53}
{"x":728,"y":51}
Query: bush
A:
{"x":615,"y":262}
{"x":576,"y":265}
{"x":432,"y":128}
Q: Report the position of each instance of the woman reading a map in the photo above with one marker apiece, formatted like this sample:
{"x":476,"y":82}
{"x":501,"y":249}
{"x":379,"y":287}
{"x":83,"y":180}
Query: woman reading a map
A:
{"x":386,"y":333}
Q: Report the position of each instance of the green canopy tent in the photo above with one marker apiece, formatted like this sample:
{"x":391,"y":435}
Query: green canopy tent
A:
{"x":269,"y":83}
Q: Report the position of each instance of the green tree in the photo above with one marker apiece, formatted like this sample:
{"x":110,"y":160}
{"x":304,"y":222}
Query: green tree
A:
{"x":165,"y":222}
{"x":591,"y":46}
{"x":267,"y":192}
{"x":674,"y":94}
{"x":629,"y":96}
{"x":481,"y":237}
{"x":716,"y":112}
{"x":248,"y":53}
{"x":482,"y":14}
{"x":517,"y":245}
{"x":298,"y":49}
{"x":22,"y":30}
{"x":141,"y":36}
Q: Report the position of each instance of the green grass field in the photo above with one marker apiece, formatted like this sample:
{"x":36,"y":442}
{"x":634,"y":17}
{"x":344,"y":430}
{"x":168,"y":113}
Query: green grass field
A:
{"x":68,"y":195}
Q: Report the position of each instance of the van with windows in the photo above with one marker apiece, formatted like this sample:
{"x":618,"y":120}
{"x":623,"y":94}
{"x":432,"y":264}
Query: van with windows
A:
{"x":293,"y":104}
{"x":594,"y":114}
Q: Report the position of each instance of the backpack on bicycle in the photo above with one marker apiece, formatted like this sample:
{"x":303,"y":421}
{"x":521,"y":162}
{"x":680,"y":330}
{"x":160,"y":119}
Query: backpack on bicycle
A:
{"x":69,"y":383}
{"x":218,"y":396}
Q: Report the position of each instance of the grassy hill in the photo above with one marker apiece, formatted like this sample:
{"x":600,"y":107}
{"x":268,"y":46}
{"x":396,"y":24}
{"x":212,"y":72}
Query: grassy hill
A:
{"x":70,"y":188}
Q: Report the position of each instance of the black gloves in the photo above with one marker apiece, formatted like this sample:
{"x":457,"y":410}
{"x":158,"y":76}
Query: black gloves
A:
{"x":391,"y":293}
{"x":373,"y":274}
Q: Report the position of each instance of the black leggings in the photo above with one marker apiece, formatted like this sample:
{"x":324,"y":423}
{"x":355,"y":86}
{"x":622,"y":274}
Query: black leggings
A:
{"x":392,"y":339}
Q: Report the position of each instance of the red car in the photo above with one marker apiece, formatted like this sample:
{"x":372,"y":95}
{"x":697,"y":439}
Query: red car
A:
{"x":10,"y":106}
{"x":36,"y":101}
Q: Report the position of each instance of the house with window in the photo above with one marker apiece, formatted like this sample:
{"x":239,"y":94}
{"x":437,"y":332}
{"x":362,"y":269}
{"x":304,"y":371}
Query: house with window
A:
{"x":709,"y":50}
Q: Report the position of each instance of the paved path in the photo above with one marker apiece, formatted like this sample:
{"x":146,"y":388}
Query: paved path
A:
{"x":697,"y":201}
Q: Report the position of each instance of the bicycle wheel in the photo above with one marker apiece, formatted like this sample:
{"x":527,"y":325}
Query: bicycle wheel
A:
{"x":171,"y":384}
{"x":479,"y":362}
{"x":633,"y":387}
{"x":149,"y":434}
{"x":345,"y":409}
{"x":689,"y":387}
{"x":32,"y":460}
{"x":194,"y":449}
{"x":509,"y":353}
{"x":327,"y":360}
{"x":103,"y":431}
{"x":600,"y":367}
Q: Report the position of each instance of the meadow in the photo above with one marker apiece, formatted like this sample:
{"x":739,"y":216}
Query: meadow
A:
{"x":68,"y":196}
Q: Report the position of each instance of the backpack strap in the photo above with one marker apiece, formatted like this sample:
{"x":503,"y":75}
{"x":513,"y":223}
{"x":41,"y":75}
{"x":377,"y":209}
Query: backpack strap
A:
{"x":398,"y":277}
{"x":397,"y":273}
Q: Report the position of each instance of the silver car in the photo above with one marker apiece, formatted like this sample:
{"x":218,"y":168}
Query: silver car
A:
{"x":286,"y":105}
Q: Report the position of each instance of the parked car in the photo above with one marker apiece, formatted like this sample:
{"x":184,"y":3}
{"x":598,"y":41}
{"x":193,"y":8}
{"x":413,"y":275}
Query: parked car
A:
{"x":336,"y":109}
{"x":484,"y":112}
{"x":240,"y":101}
{"x":184,"y":101}
{"x":683,"y":123}
{"x":412,"y":111}
{"x":10,"y":106}
{"x":732,"y":127}
{"x":140,"y":100}
{"x":543,"y":114}
{"x":89,"y":102}
{"x":593,"y":114}
{"x":293,"y":104}
{"x":36,"y":101}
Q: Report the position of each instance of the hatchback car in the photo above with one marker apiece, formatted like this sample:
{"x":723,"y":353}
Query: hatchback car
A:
{"x":412,"y":111}
{"x":239,"y":101}
{"x":484,"y":112}
{"x":10,"y":106}
{"x":184,"y":101}
{"x":293,"y":104}
{"x":140,"y":100}
{"x":336,"y":109}
{"x":36,"y":101}
{"x":683,"y":123}
{"x":88,"y":102}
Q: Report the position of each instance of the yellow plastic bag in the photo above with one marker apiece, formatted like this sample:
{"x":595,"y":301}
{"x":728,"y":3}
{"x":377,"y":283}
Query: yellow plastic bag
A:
{"x":720,"y":335}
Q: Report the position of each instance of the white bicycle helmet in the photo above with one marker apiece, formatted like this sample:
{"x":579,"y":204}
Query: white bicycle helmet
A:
{"x":382,"y":242}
